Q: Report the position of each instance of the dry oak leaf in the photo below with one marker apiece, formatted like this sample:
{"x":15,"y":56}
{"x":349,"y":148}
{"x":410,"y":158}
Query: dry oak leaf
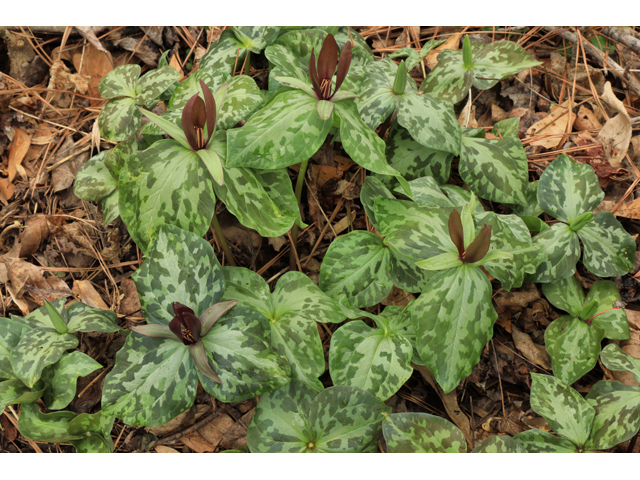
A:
{"x":616,"y":133}
{"x":552,"y":127}
{"x":88,"y":294}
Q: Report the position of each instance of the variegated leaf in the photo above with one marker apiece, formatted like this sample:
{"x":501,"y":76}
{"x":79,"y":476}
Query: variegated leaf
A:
{"x":286,"y":131}
{"x":14,"y":391}
{"x":405,"y":274}
{"x":212,"y":78}
{"x":566,"y":412}
{"x":378,"y":105}
{"x":565,"y":294}
{"x":120,"y":82}
{"x":414,"y":160}
{"x":427,"y":192}
{"x":83,"y":318}
{"x":616,"y":359}
{"x":95,"y":430}
{"x":494,"y":61}
{"x":617,"y":417}
{"x":291,"y":312}
{"x":362,"y":144}
{"x":568,"y":189}
{"x":238,"y":348}
{"x":377,"y":360}
{"x":10,"y":334}
{"x":499,"y":444}
{"x":62,"y":378}
{"x":110,"y":208}
{"x":49,"y":427}
{"x":280,"y":422}
{"x":559,"y":251}
{"x":509,"y":234}
{"x":415,"y":231}
{"x":573,"y":346}
{"x":154,"y":83}
{"x":153,"y":381}
{"x":539,"y":441}
{"x":255,"y":38}
{"x":506,"y":128}
{"x":414,"y":432}
{"x":430,"y":121}
{"x":609,"y":250}
{"x":39,"y":318}
{"x":357,"y":265}
{"x":612,"y":320}
{"x":532,"y":208}
{"x":454,"y":320}
{"x":361,"y":52}
{"x":179,"y":267}
{"x":223,"y":55}
{"x":495,"y":170}
{"x":260,"y":199}
{"x":373,"y":188}
{"x":36,"y":349}
{"x":94,"y":180}
{"x":448,"y":80}
{"x":168,"y":185}
{"x":119,"y":119}
{"x":241,"y":100}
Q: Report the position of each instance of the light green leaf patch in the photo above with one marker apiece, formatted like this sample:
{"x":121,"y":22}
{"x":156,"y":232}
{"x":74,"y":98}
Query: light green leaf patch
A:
{"x":62,"y":378}
{"x":559,"y":252}
{"x":616,"y":359}
{"x":339,"y":419}
{"x":422,"y":433}
{"x":499,"y":444}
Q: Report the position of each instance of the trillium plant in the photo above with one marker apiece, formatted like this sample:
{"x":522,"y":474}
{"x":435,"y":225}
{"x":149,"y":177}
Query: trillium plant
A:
{"x":408,"y":285}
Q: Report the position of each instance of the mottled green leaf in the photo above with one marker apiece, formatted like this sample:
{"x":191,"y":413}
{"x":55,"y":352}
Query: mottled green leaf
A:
{"x":616,"y":359}
{"x":212,"y":78}
{"x":532,"y":207}
{"x":119,"y":119}
{"x":448,"y":80}
{"x":260,"y":199}
{"x":611,"y":319}
{"x":559,"y":253}
{"x":286,"y":131}
{"x":357,"y":265}
{"x":405,"y":274}
{"x":427,"y":192}
{"x":255,"y":38}
{"x":179,"y":267}
{"x":14,"y":391}
{"x":120,"y":82}
{"x":372,"y":188}
{"x":238,"y":348}
{"x":83,"y":318}
{"x":291,"y":312}
{"x":10,"y":334}
{"x":495,"y":170}
{"x":36,"y":349}
{"x":377,"y":360}
{"x":421,"y":433}
{"x":609,"y":250}
{"x":94,"y":180}
{"x":224,"y":54}
{"x":62,"y":377}
{"x":565,"y":294}
{"x":454,"y":320}
{"x":414,"y":160}
{"x":499,"y":444}
{"x":539,"y":441}
{"x":568,"y":189}
{"x":49,"y":427}
{"x":617,"y":417}
{"x":573,"y":346}
{"x":506,"y":128}
{"x":95,"y":430}
{"x":566,"y":412}
{"x":110,"y":208}
{"x":169,"y":185}
{"x":154,"y":83}
{"x":153,"y":381}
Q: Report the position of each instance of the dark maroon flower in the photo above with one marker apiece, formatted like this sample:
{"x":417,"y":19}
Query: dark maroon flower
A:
{"x":185,"y":325}
{"x":197,"y":115}
{"x":322,"y":76}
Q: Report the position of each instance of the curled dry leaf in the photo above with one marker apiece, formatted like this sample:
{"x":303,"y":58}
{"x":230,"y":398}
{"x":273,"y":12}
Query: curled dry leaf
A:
{"x":95,"y":64}
{"x":586,"y":120}
{"x":130,"y":304}
{"x":35,"y":232}
{"x":451,"y":43}
{"x":88,"y":294}
{"x":19,"y":148}
{"x":616,"y":133}
{"x":532,"y":351}
{"x":552,"y":127}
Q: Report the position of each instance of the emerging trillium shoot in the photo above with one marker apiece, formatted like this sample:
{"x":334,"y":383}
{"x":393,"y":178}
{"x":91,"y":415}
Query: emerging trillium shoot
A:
{"x":189,"y":329}
{"x":322,"y":76}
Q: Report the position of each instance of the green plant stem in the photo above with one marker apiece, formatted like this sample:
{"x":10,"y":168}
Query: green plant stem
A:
{"x":247,"y":63}
{"x":223,"y":241}
{"x":295,"y":228}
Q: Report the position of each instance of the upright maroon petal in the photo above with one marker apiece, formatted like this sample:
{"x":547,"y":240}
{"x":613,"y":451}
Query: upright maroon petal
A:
{"x":343,"y":65}
{"x":188,"y":125}
{"x":192,"y":323}
{"x":455,"y":231}
{"x":313,"y":75}
{"x":210,"y":104}
{"x":199,"y":114}
{"x":480,"y":246}
{"x":175,"y":326}
{"x":327,"y":59}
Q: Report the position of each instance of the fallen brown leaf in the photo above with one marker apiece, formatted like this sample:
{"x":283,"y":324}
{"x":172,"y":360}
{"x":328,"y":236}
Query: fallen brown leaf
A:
{"x":19,"y":148}
{"x":532,"y":351}
{"x":551,"y":128}
{"x":616,"y":133}
{"x":165,"y":449}
{"x":451,"y":43}
{"x":35,"y":232}
{"x":196,"y":443}
{"x":131,"y":302}
{"x":88,"y":294}
{"x":586,"y":120}
{"x":95,"y":64}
